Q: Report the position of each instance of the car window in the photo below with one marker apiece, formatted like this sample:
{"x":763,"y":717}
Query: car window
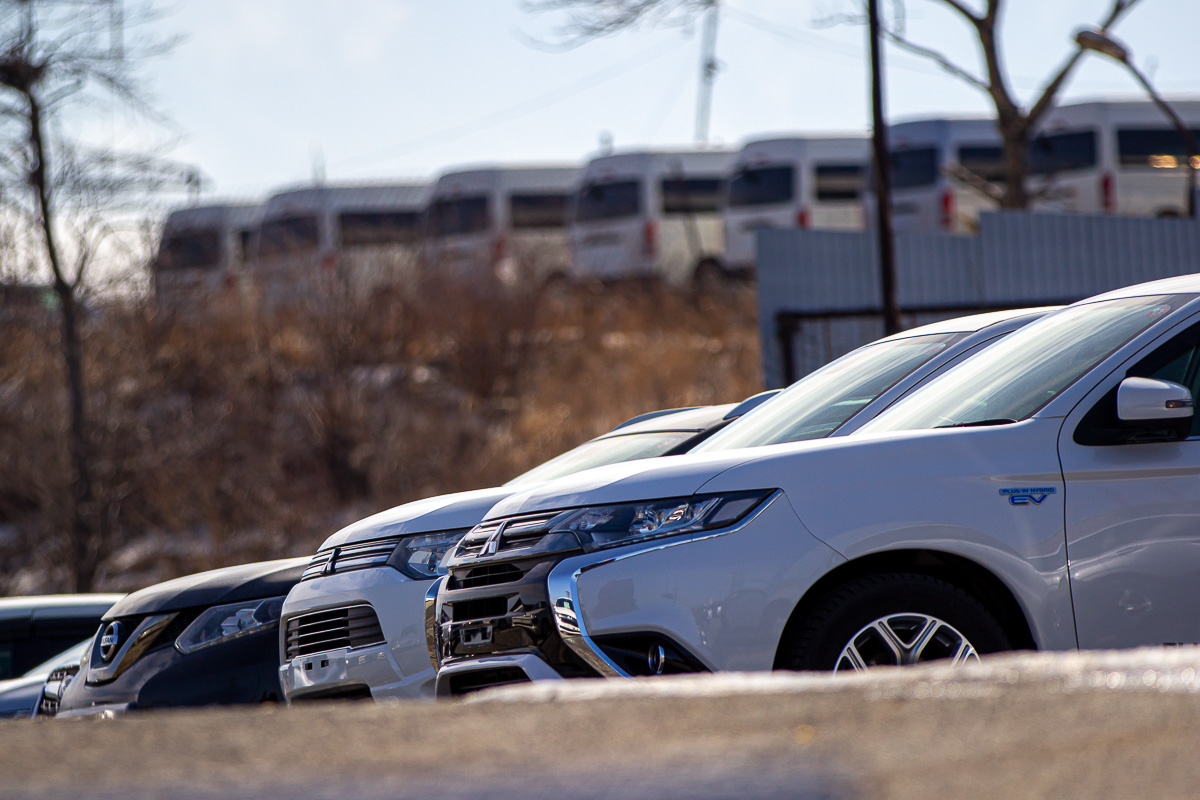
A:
{"x":1015,"y":378}
{"x":821,"y":402}
{"x":600,"y":452}
{"x":1177,"y":361}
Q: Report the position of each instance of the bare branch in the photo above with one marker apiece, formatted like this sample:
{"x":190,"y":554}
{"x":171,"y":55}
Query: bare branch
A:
{"x":1049,"y":94}
{"x":933,"y":55}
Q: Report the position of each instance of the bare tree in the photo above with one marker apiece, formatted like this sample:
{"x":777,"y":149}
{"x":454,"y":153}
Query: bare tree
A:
{"x":1016,"y":121}
{"x":60,"y":61}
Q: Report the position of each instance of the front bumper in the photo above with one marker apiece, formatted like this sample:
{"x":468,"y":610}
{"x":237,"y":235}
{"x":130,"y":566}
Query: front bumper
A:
{"x":720,"y":601}
{"x":397,"y":667}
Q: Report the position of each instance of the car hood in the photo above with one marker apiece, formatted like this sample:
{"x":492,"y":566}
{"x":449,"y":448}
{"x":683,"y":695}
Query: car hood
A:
{"x":20,"y":694}
{"x":647,"y":479}
{"x":442,"y":513}
{"x":229,"y":585}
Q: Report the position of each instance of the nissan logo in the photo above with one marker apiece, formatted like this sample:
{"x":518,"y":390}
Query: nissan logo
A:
{"x":109,"y":640}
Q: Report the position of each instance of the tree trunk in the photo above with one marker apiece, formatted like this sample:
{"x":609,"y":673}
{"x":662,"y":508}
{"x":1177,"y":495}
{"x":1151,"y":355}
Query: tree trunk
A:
{"x":81,"y":553}
{"x":1015,"y":133}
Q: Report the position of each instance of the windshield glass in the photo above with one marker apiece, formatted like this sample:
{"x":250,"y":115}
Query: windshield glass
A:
{"x":288,"y":235}
{"x":66,"y":657}
{"x":608,"y":200}
{"x":1013,"y":379}
{"x":599,"y":452}
{"x":200,"y":250}
{"x":759,"y":186}
{"x":820,"y":403}
{"x":464,"y":215}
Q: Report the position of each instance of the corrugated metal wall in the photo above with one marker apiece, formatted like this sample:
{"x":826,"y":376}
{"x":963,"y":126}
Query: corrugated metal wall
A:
{"x":818,"y":291}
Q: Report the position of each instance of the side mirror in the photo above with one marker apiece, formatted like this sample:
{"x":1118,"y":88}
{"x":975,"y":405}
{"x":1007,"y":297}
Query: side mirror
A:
{"x":1155,"y":405}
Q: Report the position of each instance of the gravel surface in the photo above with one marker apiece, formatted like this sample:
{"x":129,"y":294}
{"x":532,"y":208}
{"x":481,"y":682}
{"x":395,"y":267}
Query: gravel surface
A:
{"x":1098,"y":726}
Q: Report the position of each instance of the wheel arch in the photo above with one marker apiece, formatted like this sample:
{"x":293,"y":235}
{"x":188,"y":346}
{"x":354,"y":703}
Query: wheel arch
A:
{"x":963,"y":572}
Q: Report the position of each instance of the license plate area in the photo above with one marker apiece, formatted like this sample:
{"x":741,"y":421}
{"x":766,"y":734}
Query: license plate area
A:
{"x":476,"y":635}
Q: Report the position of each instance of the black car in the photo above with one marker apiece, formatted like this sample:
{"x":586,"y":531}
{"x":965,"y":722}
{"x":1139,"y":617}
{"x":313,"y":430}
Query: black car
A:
{"x":210,"y":638}
{"x":33,"y":629}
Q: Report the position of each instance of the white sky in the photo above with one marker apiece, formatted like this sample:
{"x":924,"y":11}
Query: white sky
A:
{"x":391,"y":88}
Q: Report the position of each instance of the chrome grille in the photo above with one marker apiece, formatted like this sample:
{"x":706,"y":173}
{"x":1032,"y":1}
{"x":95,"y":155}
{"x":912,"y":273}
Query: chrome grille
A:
{"x":488,"y":575}
{"x":351,"y":556}
{"x":518,"y":532}
{"x":52,"y":690}
{"x":321,"y":631}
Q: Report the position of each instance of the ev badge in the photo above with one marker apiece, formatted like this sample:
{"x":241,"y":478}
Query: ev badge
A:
{"x":109,"y":641}
{"x":1028,"y":497}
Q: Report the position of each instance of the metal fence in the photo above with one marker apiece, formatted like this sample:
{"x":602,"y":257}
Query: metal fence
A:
{"x":818,"y":291}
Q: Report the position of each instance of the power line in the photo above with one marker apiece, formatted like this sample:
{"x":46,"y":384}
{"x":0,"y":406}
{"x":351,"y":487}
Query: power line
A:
{"x":515,"y":111}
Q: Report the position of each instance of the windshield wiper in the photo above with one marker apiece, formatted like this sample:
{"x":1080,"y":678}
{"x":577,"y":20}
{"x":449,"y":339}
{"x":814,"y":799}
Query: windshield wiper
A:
{"x":980,"y":423}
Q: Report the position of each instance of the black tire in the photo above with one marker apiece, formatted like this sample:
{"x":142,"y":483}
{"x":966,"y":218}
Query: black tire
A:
{"x":709,"y":276}
{"x":814,"y":640}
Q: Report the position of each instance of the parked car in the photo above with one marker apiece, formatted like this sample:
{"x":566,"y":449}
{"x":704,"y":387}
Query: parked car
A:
{"x":939,"y":531}
{"x":650,"y":214}
{"x":354,"y":626}
{"x":203,"y":251}
{"x":199,"y":640}
{"x":20,"y":697}
{"x":509,"y":222}
{"x":791,"y":182}
{"x":33,"y":629}
{"x":484,"y":634}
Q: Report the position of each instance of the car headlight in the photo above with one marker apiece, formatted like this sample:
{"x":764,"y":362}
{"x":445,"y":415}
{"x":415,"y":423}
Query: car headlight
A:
{"x":225,"y":623}
{"x":420,"y":556}
{"x":612,"y":526}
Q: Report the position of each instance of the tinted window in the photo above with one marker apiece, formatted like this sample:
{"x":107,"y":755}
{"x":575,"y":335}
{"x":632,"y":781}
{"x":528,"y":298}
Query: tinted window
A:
{"x":913,"y":167}
{"x":1062,"y":152}
{"x":599,"y":452}
{"x":691,"y":195}
{"x":379,"y":227}
{"x":820,"y":403}
{"x":986,"y":161}
{"x":537,"y":210}
{"x":839,"y":181}
{"x":464,"y":215}
{"x":761,"y":186}
{"x":200,"y":250}
{"x":1162,"y":148}
{"x":609,"y":200}
{"x":288,"y":235}
{"x":1013,"y":379}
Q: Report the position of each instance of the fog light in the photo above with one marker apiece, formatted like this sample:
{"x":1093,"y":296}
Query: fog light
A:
{"x":646,"y":654}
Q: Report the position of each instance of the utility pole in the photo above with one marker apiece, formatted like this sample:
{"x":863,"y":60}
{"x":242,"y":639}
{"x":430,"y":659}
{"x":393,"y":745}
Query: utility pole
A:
{"x":708,"y":71}
{"x":883,"y":182}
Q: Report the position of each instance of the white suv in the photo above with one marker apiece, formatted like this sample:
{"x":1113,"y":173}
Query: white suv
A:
{"x":940,"y":530}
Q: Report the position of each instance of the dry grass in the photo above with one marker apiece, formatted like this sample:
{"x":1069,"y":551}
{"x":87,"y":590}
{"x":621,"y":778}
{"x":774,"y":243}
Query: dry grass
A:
{"x":230,"y":435}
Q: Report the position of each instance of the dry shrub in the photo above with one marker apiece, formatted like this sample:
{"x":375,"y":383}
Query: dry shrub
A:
{"x":230,"y":434}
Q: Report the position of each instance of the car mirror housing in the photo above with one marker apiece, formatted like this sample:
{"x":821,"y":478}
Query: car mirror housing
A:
{"x":1153,"y":404}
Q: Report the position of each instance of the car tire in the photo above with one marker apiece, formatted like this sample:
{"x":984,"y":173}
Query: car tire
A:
{"x":885,"y":620}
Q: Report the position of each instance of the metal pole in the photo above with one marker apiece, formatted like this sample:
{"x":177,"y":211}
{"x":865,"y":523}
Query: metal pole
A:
{"x":1189,"y":140}
{"x":883,"y":182}
{"x":708,"y":72}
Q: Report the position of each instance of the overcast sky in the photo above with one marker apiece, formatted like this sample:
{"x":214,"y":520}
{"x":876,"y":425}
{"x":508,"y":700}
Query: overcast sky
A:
{"x":259,"y":90}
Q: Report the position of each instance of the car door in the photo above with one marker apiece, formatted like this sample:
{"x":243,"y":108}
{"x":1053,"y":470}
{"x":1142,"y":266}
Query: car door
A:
{"x":1133,"y":512}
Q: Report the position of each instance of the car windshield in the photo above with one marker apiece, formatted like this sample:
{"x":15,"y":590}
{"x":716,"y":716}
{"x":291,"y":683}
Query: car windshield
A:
{"x":1015,"y":378}
{"x":820,"y":403}
{"x":69,"y":656}
{"x":599,"y":452}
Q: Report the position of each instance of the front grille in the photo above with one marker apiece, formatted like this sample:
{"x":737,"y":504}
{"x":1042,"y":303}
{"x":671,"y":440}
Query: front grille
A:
{"x":488,"y":575}
{"x":351,"y":556}
{"x":53,"y":689}
{"x":321,"y":631}
{"x":518,"y":532}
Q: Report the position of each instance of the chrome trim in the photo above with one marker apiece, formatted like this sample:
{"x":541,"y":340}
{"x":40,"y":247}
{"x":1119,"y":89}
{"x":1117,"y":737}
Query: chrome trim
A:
{"x":562,"y":585}
{"x":431,"y":626}
{"x":141,"y":638}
